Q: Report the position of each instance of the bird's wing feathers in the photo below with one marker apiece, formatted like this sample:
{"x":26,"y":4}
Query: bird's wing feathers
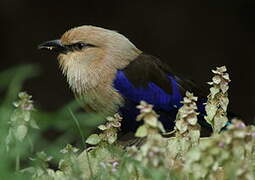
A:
{"x":145,"y":69}
{"x":147,"y":78}
{"x":152,"y":93}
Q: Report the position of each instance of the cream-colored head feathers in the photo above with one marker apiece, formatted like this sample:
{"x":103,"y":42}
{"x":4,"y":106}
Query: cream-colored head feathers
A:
{"x":87,"y":66}
{"x":90,"y":71}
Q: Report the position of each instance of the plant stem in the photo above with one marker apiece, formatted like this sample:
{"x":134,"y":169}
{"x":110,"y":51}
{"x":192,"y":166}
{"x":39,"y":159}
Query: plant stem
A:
{"x":83,"y":140}
{"x":17,"y":161}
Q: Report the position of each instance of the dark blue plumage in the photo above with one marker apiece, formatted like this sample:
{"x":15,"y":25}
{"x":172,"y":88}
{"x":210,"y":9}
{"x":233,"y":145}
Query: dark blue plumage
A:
{"x":152,"y":94}
{"x":146,"y":78}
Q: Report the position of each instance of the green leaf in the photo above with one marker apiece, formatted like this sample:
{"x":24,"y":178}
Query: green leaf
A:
{"x":193,"y":155}
{"x":224,"y":87}
{"x":102,"y":127}
{"x":63,"y":164}
{"x":93,"y":139}
{"x":15,"y":116}
{"x":216,"y":79}
{"x":199,"y":171}
{"x":112,"y":139}
{"x":110,"y":119}
{"x":21,"y":132}
{"x":181,"y":126}
{"x":141,"y":131}
{"x":151,"y":120}
{"x":26,"y":115}
{"x":240,"y":134}
{"x":8,"y":140}
{"x":161,"y":127}
{"x":192,"y":120}
{"x":43,"y":156}
{"x":33,"y":124}
{"x":211,"y":110}
{"x":214,"y":91}
{"x":173,"y":145}
{"x":29,"y":170}
{"x":224,"y":103}
{"x":194,"y":135}
{"x":219,"y":122}
{"x":184,"y":145}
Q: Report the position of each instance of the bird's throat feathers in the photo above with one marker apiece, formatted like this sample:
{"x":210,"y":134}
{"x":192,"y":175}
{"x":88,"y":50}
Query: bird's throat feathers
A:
{"x":92,"y":83}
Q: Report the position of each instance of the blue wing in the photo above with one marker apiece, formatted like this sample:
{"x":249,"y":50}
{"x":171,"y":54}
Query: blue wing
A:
{"x":165,"y":104}
{"x":152,"y":94}
{"x":146,"y":78}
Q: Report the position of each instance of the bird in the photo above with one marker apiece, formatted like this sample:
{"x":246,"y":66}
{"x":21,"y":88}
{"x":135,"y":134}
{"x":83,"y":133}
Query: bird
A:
{"x":109,"y":75}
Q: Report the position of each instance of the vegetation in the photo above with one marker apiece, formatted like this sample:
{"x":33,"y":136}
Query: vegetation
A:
{"x":27,"y":153}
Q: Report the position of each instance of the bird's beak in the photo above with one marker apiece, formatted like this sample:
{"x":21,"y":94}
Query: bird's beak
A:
{"x":54,"y":45}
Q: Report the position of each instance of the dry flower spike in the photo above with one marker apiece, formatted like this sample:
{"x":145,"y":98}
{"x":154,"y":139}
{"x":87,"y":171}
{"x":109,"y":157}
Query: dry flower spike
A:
{"x":110,"y":130}
{"x":151,"y":123}
{"x":216,"y":106}
{"x":186,"y":126}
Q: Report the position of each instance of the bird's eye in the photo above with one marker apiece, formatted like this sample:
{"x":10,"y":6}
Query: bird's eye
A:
{"x":79,"y":46}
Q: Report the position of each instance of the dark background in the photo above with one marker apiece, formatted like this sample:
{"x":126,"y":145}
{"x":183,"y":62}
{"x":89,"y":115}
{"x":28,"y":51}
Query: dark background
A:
{"x":192,"y":36}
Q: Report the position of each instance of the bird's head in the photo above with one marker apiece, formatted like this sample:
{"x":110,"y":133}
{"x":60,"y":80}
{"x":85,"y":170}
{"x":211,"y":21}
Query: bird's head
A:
{"x":88,"y":53}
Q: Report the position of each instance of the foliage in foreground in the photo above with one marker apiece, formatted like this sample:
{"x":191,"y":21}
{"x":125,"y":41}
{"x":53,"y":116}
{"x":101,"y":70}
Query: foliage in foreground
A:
{"x":227,"y":154}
